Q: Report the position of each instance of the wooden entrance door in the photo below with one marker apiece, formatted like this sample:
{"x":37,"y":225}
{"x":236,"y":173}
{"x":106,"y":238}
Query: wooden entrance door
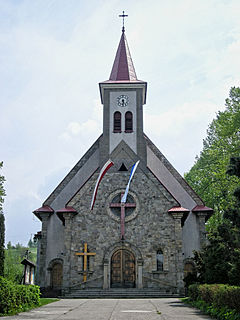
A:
{"x":123,"y":269}
{"x":57,"y":273}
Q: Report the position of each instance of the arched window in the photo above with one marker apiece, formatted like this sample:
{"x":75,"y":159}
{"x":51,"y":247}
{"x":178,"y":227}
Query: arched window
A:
{"x":159,"y":260}
{"x":117,"y":122}
{"x":128,"y":122}
{"x":188,"y":268}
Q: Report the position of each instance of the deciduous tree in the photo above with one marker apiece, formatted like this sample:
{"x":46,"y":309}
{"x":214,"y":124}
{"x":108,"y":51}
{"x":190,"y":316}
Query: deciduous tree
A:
{"x":219,"y":261}
{"x":208,"y":175}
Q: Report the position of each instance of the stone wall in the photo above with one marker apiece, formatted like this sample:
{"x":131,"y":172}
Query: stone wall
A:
{"x":151,"y":229}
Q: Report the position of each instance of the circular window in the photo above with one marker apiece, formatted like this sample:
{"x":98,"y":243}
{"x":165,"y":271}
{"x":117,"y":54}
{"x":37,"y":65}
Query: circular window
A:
{"x":130,"y":207}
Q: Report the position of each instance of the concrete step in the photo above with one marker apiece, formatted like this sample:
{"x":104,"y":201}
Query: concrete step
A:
{"x":119,"y":293}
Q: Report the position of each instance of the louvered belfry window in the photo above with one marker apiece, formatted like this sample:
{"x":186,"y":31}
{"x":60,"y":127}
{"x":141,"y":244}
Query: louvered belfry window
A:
{"x":117,"y":122}
{"x":128,"y":122}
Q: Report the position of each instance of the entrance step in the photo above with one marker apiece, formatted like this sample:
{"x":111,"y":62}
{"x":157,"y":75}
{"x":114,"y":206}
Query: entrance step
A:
{"x":119,"y":293}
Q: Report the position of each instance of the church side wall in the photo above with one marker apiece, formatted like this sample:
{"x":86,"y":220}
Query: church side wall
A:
{"x":55,"y":230}
{"x":55,"y":239}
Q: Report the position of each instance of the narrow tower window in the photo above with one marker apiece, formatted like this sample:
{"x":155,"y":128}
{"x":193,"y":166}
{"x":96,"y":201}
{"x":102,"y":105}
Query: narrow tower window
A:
{"x":159,"y":260}
{"x":117,"y":122}
{"x":128,"y":122}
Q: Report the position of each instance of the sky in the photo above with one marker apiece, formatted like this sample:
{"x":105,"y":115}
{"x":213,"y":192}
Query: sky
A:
{"x":53,"y":54}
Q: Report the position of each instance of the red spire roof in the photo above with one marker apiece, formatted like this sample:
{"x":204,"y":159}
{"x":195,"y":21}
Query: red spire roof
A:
{"x":123,"y":68}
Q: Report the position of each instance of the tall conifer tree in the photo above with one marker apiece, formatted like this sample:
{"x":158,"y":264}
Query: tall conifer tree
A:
{"x":2,"y":224}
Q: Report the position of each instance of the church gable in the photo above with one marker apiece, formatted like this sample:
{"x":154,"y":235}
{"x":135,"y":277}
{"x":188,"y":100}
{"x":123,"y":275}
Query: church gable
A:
{"x":147,"y":221}
{"x":80,"y":173}
{"x":123,"y":154}
{"x":170,"y":178}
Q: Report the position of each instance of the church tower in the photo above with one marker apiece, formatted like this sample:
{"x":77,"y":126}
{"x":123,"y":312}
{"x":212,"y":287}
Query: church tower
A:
{"x":141,"y":246}
{"x":123,"y":97}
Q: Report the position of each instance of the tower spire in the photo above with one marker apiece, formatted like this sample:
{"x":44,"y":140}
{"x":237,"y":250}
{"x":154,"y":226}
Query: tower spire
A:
{"x":123,"y":68}
{"x":123,"y":15}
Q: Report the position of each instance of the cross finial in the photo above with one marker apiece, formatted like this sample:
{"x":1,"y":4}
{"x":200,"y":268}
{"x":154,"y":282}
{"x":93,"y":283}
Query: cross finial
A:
{"x":123,"y":15}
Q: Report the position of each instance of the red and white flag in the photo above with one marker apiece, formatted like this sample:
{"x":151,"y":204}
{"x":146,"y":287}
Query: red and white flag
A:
{"x":105,"y":168}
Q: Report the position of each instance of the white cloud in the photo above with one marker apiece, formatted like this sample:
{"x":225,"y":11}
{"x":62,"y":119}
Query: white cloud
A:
{"x":53,"y":56}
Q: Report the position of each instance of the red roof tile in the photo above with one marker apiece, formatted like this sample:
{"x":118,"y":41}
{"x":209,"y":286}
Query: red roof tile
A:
{"x":178,"y":209}
{"x":44,"y":209}
{"x":201,"y":208}
{"x":67,"y":209}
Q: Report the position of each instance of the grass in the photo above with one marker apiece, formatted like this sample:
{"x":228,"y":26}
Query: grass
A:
{"x":222,"y":313}
{"x":44,"y":301}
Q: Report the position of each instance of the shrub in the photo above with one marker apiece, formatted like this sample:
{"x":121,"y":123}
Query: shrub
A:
{"x":15,"y":298}
{"x":216,"y":295}
{"x":193,"y":292}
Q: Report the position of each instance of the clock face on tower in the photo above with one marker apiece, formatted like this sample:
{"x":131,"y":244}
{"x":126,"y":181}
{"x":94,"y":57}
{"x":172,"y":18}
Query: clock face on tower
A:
{"x":122,"y":100}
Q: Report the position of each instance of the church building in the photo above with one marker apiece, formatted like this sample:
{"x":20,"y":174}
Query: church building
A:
{"x":145,"y":243}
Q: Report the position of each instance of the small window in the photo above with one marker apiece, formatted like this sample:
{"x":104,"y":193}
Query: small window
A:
{"x":128,"y":122}
{"x":159,"y":260}
{"x":117,"y":122}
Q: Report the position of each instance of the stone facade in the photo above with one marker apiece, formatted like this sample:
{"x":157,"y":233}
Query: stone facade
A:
{"x":164,"y":222}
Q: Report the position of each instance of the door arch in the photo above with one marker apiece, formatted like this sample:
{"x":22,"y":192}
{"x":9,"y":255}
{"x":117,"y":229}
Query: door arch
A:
{"x":56,"y":275}
{"x":123,"y":269}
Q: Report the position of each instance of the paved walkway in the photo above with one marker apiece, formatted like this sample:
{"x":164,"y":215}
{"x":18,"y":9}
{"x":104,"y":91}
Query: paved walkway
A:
{"x":112,"y":309}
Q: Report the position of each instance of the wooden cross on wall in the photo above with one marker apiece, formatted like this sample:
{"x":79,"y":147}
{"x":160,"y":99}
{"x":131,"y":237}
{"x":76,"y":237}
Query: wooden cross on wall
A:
{"x":85,"y":254}
{"x":122,"y":218}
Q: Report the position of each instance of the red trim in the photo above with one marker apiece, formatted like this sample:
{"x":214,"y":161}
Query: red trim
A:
{"x":44,"y":209}
{"x":67,"y":209}
{"x":202,"y":208}
{"x":178,"y":209}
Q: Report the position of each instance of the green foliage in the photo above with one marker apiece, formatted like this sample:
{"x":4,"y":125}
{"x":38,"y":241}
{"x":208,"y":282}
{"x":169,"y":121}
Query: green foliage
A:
{"x":2,"y":224}
{"x":219,"y":260}
{"x":13,"y":257}
{"x":222,"y":313}
{"x":208,"y":175}
{"x":2,"y":240}
{"x":16,"y":298}
{"x":218,"y":300}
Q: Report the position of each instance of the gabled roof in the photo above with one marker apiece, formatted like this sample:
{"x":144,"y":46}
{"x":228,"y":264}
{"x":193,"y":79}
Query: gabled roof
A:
{"x":123,"y":68}
{"x":171,"y":179}
{"x":27,"y":262}
{"x":74,"y":179}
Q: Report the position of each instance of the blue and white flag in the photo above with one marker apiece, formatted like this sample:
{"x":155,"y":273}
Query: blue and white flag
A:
{"x":134,"y":167}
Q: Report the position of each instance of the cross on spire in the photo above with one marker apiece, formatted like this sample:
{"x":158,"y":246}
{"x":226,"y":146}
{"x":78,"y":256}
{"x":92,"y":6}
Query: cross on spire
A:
{"x":123,"y":15}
